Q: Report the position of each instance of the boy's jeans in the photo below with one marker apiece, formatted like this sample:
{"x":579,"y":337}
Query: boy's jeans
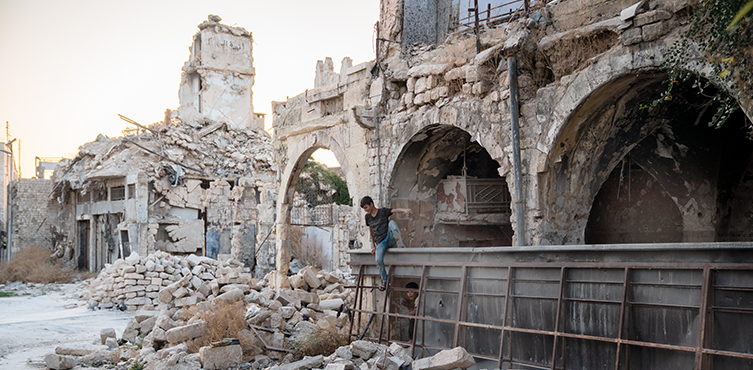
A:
{"x":381,"y":249}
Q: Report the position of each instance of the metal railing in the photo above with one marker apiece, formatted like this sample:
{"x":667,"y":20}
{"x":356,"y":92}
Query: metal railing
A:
{"x":606,"y":315}
{"x":492,"y":15}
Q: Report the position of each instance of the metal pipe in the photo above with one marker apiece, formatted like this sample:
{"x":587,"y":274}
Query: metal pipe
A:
{"x":512,"y":69}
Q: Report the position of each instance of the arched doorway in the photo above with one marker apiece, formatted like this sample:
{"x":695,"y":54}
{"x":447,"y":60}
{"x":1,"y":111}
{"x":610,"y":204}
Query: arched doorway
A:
{"x":454,"y":189}
{"x":320,"y":213}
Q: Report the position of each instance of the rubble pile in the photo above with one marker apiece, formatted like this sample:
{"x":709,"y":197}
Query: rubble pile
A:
{"x":209,"y":148}
{"x":170,"y":293}
{"x":136,"y":282}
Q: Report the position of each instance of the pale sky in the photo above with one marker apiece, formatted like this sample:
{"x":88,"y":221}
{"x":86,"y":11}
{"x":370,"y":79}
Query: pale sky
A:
{"x":69,"y":67}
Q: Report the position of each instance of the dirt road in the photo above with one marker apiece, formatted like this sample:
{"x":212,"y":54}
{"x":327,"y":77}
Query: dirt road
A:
{"x":32,"y":326}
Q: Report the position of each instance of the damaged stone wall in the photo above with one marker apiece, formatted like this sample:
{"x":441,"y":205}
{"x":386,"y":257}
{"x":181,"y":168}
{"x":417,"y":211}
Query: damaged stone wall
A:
{"x":30,"y":225}
{"x":217,"y":79}
{"x":584,"y":70}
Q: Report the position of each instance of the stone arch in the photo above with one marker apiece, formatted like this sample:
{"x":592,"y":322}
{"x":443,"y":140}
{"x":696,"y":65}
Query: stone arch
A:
{"x":427,"y":177}
{"x":666,"y":141}
{"x":305,"y":145}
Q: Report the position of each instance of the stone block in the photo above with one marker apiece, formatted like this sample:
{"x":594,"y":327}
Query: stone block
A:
{"x":448,"y":359}
{"x":220,"y":358}
{"x":306,"y":363}
{"x":421,"y":85}
{"x":100,"y":358}
{"x":297,"y":282}
{"x":58,"y":362}
{"x":232,"y":296}
{"x":344,"y":352}
{"x":653,"y":31}
{"x":186,"y":332}
{"x":131,"y":331}
{"x":133,"y":276}
{"x":147,"y":325}
{"x":481,"y":88}
{"x":340,"y":364}
{"x":310,"y":277}
{"x":363,"y":349}
{"x":186,"y":301}
{"x":331,"y":304}
{"x":107,"y":333}
{"x":180,"y":292}
{"x":632,"y":36}
{"x":111,"y":343}
{"x":651,"y":16}
{"x":139,"y":301}
{"x":165,"y":295}
{"x":73,"y":351}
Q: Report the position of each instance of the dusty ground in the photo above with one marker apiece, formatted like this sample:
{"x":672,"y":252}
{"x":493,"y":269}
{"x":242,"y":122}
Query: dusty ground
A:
{"x":32,"y":325}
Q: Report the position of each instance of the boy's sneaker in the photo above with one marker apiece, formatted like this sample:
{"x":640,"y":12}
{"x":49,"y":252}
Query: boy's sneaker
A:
{"x":398,"y":239}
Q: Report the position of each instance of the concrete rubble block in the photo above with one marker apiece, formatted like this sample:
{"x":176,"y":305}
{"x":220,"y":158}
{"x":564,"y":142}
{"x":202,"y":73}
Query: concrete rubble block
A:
{"x":131,"y":331}
{"x":107,"y":333}
{"x":400,"y":352}
{"x":340,"y":364}
{"x":186,"y":301}
{"x":220,"y":358}
{"x":186,"y":332}
{"x":310,"y":277}
{"x":287,"y":312}
{"x":73,"y":351}
{"x":159,"y":335}
{"x":304,"y":329}
{"x":306,"y":363}
{"x":386,"y":363}
{"x":100,"y":358}
{"x":133,"y":259}
{"x":196,"y":282}
{"x":274,"y":305}
{"x":142,"y":315}
{"x":147,"y":325}
{"x":344,"y":352}
{"x":180,"y":292}
{"x":232,"y":296}
{"x":331,"y":304}
{"x":58,"y":362}
{"x":297,"y":282}
{"x":363,"y":349}
{"x":448,"y":359}
{"x":111,"y":343}
{"x":300,"y":295}
{"x":165,"y":295}
{"x":243,"y":287}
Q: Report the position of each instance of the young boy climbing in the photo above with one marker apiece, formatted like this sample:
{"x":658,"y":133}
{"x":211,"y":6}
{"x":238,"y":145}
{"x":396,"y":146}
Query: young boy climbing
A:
{"x":384,"y":233}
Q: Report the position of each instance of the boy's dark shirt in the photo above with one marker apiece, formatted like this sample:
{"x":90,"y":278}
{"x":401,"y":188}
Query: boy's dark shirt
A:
{"x":379,"y":223}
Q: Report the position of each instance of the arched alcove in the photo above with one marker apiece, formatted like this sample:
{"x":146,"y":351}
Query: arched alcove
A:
{"x":673,"y":155}
{"x":454,"y":189}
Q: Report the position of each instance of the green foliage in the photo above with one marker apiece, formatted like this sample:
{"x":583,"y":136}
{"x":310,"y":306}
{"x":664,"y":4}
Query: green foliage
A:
{"x":316,"y":183}
{"x":7,"y":294}
{"x":712,"y":39}
{"x":137,"y":366}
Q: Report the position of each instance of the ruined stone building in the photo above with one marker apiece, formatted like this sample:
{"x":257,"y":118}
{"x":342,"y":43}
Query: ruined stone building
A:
{"x":427,"y":125}
{"x":598,"y":235}
{"x":202,"y":181}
